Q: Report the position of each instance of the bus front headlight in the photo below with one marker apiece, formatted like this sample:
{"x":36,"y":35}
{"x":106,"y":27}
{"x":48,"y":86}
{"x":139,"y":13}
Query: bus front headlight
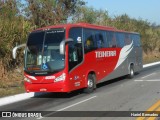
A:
{"x":27,"y":79}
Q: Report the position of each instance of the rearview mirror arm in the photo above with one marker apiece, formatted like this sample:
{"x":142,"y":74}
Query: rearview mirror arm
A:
{"x":14,"y":51}
{"x":62,"y":45}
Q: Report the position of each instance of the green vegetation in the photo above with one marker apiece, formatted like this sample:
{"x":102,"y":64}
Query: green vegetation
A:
{"x":19,"y":17}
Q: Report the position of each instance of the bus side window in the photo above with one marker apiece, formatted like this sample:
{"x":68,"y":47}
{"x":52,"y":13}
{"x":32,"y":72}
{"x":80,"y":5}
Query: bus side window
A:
{"x":111,"y":39}
{"x":120,"y":40}
{"x":100,"y":35}
{"x":89,"y":41}
{"x":138,"y":40}
{"x":127,"y":39}
{"x":114,"y":44}
{"x":133,"y":37}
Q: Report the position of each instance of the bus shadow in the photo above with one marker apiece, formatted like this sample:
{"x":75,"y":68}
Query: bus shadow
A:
{"x":57,"y":95}
{"x":105,"y":83}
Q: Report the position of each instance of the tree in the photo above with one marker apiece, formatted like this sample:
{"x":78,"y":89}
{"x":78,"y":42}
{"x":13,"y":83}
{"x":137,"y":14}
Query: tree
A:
{"x":90,"y":15}
{"x":50,"y":12}
{"x":13,"y":30}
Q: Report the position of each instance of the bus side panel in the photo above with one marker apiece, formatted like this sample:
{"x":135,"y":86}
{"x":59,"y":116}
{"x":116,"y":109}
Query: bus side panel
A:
{"x":126,"y":58}
{"x":138,"y":59}
{"x":102,"y":65}
{"x":77,"y":77}
{"x":120,"y":71}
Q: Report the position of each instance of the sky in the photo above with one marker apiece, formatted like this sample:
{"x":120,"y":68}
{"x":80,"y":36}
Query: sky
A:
{"x":139,"y":9}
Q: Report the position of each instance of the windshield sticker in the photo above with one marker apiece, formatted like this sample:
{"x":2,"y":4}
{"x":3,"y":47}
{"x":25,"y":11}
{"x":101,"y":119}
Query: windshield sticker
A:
{"x":44,"y":67}
{"x":55,"y":31}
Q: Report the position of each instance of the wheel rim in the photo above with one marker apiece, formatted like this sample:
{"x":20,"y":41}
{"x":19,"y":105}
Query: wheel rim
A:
{"x":132,"y":72}
{"x":90,"y":83}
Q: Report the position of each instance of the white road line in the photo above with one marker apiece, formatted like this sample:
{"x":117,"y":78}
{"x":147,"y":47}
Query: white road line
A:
{"x":139,"y":80}
{"x":70,"y":106}
{"x":40,"y":118}
{"x":76,"y":103}
{"x":148,"y":75}
{"x":150,"y":64}
{"x":156,"y":80}
{"x":153,"y":80}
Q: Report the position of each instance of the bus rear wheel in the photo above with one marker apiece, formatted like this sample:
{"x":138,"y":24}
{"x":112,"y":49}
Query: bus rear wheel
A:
{"x":131,"y":72}
{"x":90,"y":84}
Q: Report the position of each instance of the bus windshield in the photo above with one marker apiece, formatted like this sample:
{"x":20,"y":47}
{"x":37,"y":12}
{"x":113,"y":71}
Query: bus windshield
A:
{"x":42,"y":51}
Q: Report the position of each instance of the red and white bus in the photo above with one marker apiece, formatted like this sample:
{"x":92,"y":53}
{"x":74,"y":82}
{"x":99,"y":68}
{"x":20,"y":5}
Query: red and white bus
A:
{"x":69,"y":57}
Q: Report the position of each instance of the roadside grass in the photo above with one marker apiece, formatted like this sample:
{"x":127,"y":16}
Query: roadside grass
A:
{"x":12,"y":87}
{"x":11,"y":91}
{"x":14,"y":84}
{"x":151,"y":57}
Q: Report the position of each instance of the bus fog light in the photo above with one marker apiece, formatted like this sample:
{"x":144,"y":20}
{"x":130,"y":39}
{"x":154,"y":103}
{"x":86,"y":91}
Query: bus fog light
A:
{"x":60,"y":78}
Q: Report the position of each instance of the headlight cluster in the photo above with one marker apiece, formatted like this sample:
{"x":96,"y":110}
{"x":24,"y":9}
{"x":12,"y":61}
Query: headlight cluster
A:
{"x":60,"y":78}
{"x":27,"y":79}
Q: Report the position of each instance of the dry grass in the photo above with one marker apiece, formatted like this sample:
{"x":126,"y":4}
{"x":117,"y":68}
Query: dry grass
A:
{"x":12,"y":83}
{"x":11,"y":91}
{"x":151,"y":57}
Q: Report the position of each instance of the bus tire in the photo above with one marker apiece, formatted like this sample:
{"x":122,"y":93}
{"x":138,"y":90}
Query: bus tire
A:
{"x":90,"y":84}
{"x":131,"y":72}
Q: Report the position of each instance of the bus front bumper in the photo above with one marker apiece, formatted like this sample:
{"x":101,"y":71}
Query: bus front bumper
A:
{"x":48,"y":87}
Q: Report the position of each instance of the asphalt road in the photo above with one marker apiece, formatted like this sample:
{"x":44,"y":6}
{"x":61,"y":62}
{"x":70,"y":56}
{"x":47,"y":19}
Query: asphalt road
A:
{"x":121,"y":94}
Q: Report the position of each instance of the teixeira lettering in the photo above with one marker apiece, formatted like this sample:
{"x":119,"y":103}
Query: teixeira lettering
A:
{"x":103,"y":54}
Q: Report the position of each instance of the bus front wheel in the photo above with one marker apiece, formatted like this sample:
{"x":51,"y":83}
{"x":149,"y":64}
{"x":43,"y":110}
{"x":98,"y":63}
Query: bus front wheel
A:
{"x":90,"y":84}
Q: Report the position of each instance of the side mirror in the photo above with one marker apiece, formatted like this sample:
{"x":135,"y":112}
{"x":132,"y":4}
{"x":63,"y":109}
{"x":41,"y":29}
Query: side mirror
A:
{"x":14,"y":51}
{"x":62,"y":45}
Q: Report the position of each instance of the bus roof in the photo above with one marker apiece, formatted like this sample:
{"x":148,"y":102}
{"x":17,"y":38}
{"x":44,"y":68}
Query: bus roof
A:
{"x":84,"y":25}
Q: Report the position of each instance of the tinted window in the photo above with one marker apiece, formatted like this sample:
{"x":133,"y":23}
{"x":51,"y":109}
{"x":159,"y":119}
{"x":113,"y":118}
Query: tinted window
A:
{"x":127,"y":39}
{"x":111,"y":39}
{"x":35,"y":41}
{"x":54,"y":36}
{"x":120,"y":39}
{"x":42,"y":51}
{"x":100,"y":39}
{"x":136,"y":40}
{"x":34,"y":47}
{"x":89,"y":40}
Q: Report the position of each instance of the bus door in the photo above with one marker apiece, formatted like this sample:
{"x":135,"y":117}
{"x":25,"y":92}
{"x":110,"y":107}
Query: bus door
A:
{"x":75,"y":58}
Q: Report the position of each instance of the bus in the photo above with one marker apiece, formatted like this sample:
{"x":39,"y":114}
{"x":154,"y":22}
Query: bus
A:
{"x":68,"y":57}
